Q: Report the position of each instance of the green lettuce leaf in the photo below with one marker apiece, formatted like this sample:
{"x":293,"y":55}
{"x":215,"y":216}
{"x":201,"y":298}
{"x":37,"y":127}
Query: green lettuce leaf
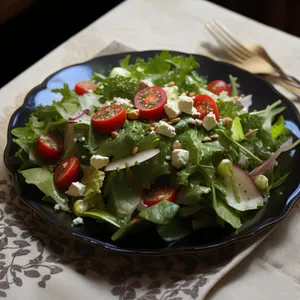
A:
{"x":43,"y":179}
{"x":177,"y":229}
{"x":237,"y":130}
{"x":123,"y":198}
{"x":277,"y":128}
{"x":234,"y":90}
{"x":160,"y":213}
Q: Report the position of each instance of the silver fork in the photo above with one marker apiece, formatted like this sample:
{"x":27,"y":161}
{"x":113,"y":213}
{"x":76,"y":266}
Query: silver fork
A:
{"x":240,"y":53}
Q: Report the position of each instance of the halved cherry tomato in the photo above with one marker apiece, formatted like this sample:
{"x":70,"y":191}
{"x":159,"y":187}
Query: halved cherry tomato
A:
{"x":109,"y":118}
{"x":150,"y":102}
{"x":84,"y":86}
{"x":49,"y":147}
{"x":165,"y":192}
{"x":205,"y":104}
{"x":219,"y":86}
{"x":66,"y":173}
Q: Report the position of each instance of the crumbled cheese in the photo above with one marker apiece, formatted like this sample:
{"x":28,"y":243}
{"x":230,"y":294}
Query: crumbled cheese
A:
{"x":168,"y":157}
{"x":62,"y":207}
{"x":186,"y":104}
{"x":195,"y":113}
{"x":74,"y":140}
{"x":172,"y":92}
{"x":210,"y":122}
{"x":172,"y":109}
{"x":83,"y":156}
{"x":198,"y":122}
{"x":83,"y":138}
{"x":123,"y":101}
{"x":165,"y":129}
{"x":99,"y":161}
{"x":180,"y":158}
{"x":147,"y":82}
{"x":76,"y":189}
{"x":77,"y":221}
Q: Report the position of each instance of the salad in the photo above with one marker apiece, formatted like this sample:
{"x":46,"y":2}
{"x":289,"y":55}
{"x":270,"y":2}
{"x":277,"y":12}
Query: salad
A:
{"x":153,"y":144}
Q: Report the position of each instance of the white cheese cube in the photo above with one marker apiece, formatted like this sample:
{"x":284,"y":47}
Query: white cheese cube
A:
{"x":186,"y":104}
{"x":99,"y":161}
{"x":76,"y":189}
{"x":209,"y":121}
{"x":172,"y":109}
{"x":165,"y":129}
{"x":180,"y":158}
{"x":77,"y":221}
{"x":172,"y":92}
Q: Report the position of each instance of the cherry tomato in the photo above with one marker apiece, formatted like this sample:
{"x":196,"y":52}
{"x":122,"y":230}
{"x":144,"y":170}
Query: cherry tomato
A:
{"x":49,"y":147}
{"x":109,"y":118}
{"x":150,"y":102}
{"x":84,"y":86}
{"x":219,"y":86}
{"x":66,"y":173}
{"x":165,"y":192}
{"x":204,"y":105}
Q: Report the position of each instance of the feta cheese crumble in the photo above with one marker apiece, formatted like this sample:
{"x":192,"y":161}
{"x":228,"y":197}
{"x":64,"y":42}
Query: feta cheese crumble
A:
{"x":172,"y":109}
{"x":186,"y":104}
{"x":77,"y":221}
{"x":99,"y":161}
{"x":63,"y":207}
{"x":123,"y":101}
{"x":210,"y":122}
{"x":180,"y":158}
{"x":76,"y":189}
{"x":165,"y":129}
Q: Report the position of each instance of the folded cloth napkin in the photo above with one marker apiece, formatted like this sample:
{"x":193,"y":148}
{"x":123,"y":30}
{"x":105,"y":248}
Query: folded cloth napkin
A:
{"x":39,"y":262}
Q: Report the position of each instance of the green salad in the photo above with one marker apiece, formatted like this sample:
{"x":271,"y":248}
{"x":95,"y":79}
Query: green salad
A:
{"x":155,"y":145}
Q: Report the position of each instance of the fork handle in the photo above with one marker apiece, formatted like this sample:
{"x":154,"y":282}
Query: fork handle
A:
{"x":284,"y":82}
{"x":290,"y":80}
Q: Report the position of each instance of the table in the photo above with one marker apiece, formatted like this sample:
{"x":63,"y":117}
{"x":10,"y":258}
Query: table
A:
{"x":272,"y":270}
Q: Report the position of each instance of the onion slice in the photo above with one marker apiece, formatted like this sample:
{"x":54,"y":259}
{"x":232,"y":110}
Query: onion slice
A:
{"x":131,"y":160}
{"x":268,"y":164}
{"x":77,"y":115}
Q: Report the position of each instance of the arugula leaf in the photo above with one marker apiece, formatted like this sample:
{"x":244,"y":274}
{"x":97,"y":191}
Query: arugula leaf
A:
{"x":161,"y":213}
{"x":177,"y":229}
{"x":43,"y":179}
{"x":278,"y":127}
{"x":68,"y":96}
{"x":102,"y":215}
{"x":123,"y":199}
{"x":132,"y":133}
{"x":164,"y":68}
{"x":267,"y":115}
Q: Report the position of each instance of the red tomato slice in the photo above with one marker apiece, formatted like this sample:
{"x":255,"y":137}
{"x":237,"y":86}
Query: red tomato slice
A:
{"x":150,"y":102}
{"x":166,"y":192}
{"x":109,"y":118}
{"x":84,"y":86}
{"x":219,"y":86}
{"x":204,"y":105}
{"x":66,"y":173}
{"x":49,"y":147}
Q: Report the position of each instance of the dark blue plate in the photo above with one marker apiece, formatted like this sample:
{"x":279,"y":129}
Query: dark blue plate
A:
{"x":263,"y":93}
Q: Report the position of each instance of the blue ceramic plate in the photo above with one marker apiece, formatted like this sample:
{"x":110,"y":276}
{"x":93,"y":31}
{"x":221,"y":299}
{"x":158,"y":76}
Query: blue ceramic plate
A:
{"x":263,"y":93}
